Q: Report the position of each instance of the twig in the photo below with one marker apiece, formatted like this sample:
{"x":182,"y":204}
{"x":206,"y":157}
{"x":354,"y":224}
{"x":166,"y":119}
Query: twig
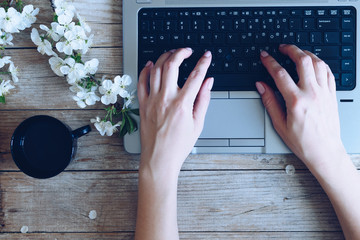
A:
{"x":52,"y":5}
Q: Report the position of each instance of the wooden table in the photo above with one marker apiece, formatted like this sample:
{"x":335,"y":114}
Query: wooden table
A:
{"x":220,"y":196}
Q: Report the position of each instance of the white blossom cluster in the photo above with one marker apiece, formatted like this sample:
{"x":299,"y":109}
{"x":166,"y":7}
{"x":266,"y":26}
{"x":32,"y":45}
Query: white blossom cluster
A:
{"x":69,"y":32}
{"x":12,"y":21}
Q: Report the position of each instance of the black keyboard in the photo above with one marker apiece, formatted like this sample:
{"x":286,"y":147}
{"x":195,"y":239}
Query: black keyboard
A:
{"x":235,"y":36}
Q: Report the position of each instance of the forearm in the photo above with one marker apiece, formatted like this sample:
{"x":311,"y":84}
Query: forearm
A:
{"x":157,"y":205}
{"x":341,"y":183}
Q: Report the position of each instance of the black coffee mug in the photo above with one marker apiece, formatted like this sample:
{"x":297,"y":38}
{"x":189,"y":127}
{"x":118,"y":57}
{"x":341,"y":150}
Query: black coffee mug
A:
{"x":43,"y":146}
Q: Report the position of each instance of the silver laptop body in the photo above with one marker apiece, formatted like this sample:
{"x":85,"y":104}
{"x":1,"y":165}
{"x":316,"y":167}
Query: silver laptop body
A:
{"x":236,"y":121}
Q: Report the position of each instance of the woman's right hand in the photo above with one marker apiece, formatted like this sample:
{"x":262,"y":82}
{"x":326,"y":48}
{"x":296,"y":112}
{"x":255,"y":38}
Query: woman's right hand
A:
{"x":310,"y":125}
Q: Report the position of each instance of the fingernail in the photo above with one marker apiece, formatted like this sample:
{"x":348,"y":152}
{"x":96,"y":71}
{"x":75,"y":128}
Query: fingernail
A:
{"x":282,"y":45}
{"x":207,"y":54}
{"x":172,"y":50}
{"x":189,"y":49}
{"x":264,"y":54}
{"x":260,"y":88}
{"x":210,"y":83}
{"x":148,"y":64}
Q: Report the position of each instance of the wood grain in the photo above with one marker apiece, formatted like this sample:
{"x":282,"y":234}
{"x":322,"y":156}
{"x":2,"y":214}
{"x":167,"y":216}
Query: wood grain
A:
{"x":208,"y":201}
{"x":221,"y":196}
{"x":183,"y":235}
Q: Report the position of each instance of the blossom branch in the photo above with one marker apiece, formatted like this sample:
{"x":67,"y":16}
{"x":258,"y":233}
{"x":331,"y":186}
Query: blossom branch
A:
{"x":12,"y":20}
{"x":70,"y":35}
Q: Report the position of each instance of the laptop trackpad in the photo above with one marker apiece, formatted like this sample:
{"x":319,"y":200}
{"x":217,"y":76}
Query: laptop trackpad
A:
{"x":234,"y":118}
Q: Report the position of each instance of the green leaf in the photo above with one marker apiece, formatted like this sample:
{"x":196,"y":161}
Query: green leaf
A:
{"x":2,"y":99}
{"x":55,"y":19}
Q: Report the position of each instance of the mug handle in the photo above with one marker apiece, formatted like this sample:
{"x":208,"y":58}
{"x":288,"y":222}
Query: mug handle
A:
{"x":81,"y":131}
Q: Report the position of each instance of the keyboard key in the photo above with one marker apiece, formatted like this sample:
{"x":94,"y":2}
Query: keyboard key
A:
{"x":328,"y":23}
{"x":347,"y":51}
{"x":309,"y":23}
{"x":347,"y":79}
{"x":326,"y":51}
{"x":315,"y":37}
{"x":295,"y":24}
{"x":331,"y":37}
{"x":347,"y":65}
{"x":347,"y":37}
{"x":347,"y":23}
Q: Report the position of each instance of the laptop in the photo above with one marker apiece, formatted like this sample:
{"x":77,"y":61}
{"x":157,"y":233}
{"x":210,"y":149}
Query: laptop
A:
{"x":235,"y":31}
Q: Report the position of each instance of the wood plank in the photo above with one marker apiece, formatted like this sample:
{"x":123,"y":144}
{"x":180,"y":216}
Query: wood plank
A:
{"x":96,"y":152}
{"x":213,"y":201}
{"x":183,"y":235}
{"x":105,"y":35}
{"x":104,"y":11}
{"x":104,"y":18}
{"x":40,"y":88}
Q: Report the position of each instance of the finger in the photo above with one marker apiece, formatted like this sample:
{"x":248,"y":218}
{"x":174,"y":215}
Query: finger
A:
{"x":283,"y":80}
{"x":273,"y":107}
{"x":171,"y":69}
{"x":320,"y":69}
{"x":143,"y":84}
{"x":202,"y":103}
{"x":196,"y":77}
{"x":155,"y":74}
{"x":304,"y":66}
{"x":331,"y":80}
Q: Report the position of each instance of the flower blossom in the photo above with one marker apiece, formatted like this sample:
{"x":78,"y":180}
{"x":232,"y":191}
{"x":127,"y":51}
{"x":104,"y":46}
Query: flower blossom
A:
{"x":123,"y":82}
{"x":74,"y":71}
{"x":5,"y":38}
{"x":92,"y":66}
{"x":64,"y":11}
{"x":13,"y":71}
{"x":44,"y":46}
{"x":28,"y":16}
{"x":52,"y":31}
{"x":110,"y":91}
{"x":56,"y":63}
{"x":5,"y":87}
{"x":105,"y":127}
{"x":5,"y":60}
{"x":86,"y":97}
{"x":10,"y":20}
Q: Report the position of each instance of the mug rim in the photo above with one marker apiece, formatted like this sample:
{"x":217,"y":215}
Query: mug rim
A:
{"x":19,"y":156}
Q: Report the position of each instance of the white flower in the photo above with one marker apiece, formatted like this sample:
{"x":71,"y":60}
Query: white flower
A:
{"x":74,"y":71}
{"x":4,"y":60}
{"x":14,"y":71}
{"x":28,"y":16}
{"x":61,"y":29}
{"x":52,"y":31}
{"x":44,"y":46}
{"x":94,"y":120}
{"x":56,"y":63}
{"x":6,"y":38}
{"x":110,"y":91}
{"x":92,"y":66}
{"x":64,"y":11}
{"x":64,"y":47}
{"x":76,"y":37}
{"x":5,"y":87}
{"x":105,"y":127}
{"x":83,"y":23}
{"x":10,"y":20}
{"x":123,"y":82}
{"x":129,"y":99}
{"x":85,"y":96}
{"x":88,"y":44}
